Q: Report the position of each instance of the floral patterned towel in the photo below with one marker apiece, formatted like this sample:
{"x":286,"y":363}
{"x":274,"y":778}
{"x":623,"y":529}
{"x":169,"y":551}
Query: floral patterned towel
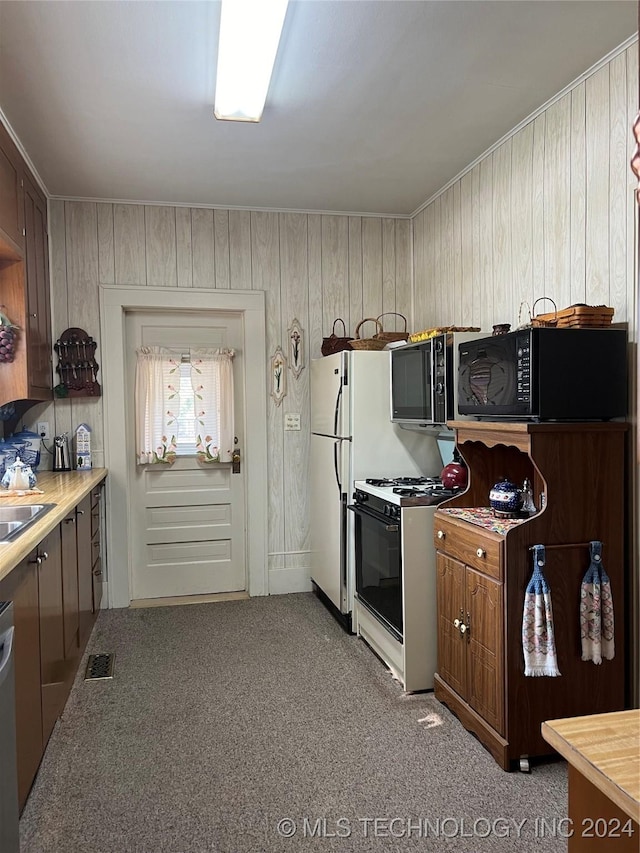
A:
{"x":596,"y":610}
{"x":538,"y":642}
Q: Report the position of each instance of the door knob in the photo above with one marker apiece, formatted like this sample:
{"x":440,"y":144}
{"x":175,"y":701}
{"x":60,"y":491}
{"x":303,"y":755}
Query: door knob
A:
{"x":481,"y":553}
{"x":235,"y":461}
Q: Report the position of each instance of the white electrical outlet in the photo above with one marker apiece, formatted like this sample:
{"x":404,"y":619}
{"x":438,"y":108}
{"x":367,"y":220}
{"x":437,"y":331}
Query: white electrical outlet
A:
{"x":43,"y":429}
{"x":292,"y":421}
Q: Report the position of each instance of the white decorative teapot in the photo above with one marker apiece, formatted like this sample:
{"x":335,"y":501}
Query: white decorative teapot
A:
{"x":19,"y":476}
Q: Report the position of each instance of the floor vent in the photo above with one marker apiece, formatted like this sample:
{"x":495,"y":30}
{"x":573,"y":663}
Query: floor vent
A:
{"x":99,"y":667}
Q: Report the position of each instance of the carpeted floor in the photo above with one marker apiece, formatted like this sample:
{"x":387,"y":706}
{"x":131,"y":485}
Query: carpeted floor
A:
{"x":227,"y":720}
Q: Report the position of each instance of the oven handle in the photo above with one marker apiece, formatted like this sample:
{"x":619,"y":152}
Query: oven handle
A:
{"x":376,"y":516}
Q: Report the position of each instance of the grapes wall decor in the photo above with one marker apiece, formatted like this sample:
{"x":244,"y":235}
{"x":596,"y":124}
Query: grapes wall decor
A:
{"x":8,"y":338}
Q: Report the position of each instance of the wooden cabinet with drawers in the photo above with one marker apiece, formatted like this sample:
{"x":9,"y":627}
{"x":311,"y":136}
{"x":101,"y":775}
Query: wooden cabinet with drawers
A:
{"x":484,"y":565}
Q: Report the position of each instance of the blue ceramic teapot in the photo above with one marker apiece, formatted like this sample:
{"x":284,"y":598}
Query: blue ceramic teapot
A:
{"x":505,"y":499}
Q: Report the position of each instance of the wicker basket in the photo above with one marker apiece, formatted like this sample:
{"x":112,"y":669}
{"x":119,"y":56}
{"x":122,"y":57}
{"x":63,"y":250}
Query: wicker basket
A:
{"x":374,"y":343}
{"x":335,"y":343}
{"x":388,"y":337}
{"x":426,"y":334}
{"x":542,"y":320}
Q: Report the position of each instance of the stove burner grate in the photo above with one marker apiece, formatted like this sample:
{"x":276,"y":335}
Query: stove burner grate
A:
{"x":382,"y":481}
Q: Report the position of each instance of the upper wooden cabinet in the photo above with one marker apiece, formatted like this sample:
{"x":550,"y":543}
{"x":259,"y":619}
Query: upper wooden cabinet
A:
{"x":38,"y":322}
{"x":11,"y":206}
{"x":24,"y":279}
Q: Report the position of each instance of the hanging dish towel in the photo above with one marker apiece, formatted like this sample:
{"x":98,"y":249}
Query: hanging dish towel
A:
{"x":596,"y":610}
{"x":538,"y":642}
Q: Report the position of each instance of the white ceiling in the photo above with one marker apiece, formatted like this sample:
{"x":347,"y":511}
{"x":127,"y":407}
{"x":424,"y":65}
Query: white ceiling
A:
{"x":374,"y":104}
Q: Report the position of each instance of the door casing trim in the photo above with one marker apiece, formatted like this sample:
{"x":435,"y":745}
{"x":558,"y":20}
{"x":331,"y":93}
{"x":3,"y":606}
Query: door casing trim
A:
{"x":115,"y":300}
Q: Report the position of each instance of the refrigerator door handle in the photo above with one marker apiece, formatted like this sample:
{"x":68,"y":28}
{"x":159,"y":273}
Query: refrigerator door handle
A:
{"x":335,"y":465}
{"x":336,"y":411}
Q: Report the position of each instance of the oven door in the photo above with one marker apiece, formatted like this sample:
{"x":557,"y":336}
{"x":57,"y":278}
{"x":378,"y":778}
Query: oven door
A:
{"x":379,"y":567}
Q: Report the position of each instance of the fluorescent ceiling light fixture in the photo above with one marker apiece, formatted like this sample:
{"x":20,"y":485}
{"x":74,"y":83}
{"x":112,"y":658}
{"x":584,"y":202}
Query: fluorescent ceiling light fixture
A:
{"x":249,"y":35}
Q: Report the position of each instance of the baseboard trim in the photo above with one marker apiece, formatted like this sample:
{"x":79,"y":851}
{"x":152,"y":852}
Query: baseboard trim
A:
{"x":189,"y":599}
{"x":283,"y":581}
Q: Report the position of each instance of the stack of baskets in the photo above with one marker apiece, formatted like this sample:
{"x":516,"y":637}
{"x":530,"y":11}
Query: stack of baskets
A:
{"x":578,"y":316}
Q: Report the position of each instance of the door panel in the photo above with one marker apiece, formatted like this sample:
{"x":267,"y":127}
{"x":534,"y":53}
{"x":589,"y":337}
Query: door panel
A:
{"x":485,"y":671}
{"x":188,"y":532}
{"x":452,"y":649}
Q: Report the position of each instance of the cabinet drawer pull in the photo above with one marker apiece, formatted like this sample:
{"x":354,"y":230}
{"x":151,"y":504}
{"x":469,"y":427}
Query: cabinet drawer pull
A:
{"x":441,"y":534}
{"x":70,"y":520}
{"x":37,"y":560}
{"x":481,"y":553}
{"x":98,"y":573}
{"x":80,"y":511}
{"x":45,"y":556}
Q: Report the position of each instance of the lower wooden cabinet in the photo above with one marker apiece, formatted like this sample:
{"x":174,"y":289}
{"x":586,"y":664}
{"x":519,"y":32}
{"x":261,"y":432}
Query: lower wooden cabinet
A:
{"x":85,"y":569}
{"x":54,"y":599}
{"x":471,"y":626}
{"x":53,"y":666}
{"x":21,"y":587}
{"x":96,"y":547}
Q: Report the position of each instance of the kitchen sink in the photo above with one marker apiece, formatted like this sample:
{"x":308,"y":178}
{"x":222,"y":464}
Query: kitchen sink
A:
{"x":14,"y":519}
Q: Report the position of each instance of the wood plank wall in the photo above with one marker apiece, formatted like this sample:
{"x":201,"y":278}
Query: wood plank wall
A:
{"x":312,"y":267}
{"x":548,"y":213}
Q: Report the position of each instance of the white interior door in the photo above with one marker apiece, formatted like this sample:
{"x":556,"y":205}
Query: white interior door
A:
{"x":188,"y":519}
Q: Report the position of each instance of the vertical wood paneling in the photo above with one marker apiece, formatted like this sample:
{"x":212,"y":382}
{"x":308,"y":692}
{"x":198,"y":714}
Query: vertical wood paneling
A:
{"x":537,"y":212}
{"x":129,"y":244}
{"x":184,"y":254}
{"x":456,"y":297}
{"x":466,"y":250}
{"x":521,"y":220}
{"x":106,"y":250}
{"x":84,"y":311}
{"x":294,"y":275}
{"x":221,"y":251}
{"x":355,"y":273}
{"x":335,"y":268}
{"x":61,"y":420}
{"x":240,"y":249}
{"x":476,"y":251}
{"x":618,"y":182}
{"x":202,"y":246}
{"x":160,"y":228}
{"x":597,"y":230}
{"x":371,"y":272}
{"x":436,"y":306}
{"x":403,"y":272}
{"x":557,"y":200}
{"x":389,"y":274}
{"x":265,"y":250}
{"x":314,"y":250}
{"x":578,"y":169}
{"x":502,"y":266}
{"x":446,"y":259}
{"x":421,"y":286}
{"x":486,"y":243}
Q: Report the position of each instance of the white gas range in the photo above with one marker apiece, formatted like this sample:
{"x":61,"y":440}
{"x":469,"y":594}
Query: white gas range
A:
{"x":395,"y":610}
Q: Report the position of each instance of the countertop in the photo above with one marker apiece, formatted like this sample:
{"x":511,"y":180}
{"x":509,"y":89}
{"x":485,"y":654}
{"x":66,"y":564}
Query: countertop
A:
{"x":65,"y":489}
{"x":605,"y":749}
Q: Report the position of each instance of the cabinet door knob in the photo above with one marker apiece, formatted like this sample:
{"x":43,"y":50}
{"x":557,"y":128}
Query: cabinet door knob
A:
{"x":34,"y":316}
{"x":481,"y":553}
{"x":80,"y":511}
{"x":463,"y":628}
{"x":45,"y":556}
{"x":70,"y":520}
{"x":98,"y":573}
{"x":456,"y":623}
{"x":441,"y":534}
{"x":37,"y":560}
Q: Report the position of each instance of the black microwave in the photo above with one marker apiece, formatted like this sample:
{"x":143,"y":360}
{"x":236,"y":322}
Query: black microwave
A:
{"x":423,"y":379}
{"x":545,"y":374}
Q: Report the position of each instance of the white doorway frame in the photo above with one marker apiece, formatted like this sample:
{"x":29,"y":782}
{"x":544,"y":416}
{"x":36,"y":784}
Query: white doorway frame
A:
{"x":115,"y":300}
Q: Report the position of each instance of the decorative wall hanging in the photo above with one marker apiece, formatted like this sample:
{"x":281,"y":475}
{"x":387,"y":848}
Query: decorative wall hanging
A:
{"x":296,"y":348}
{"x":278,"y":376}
{"x":77,"y":365}
{"x":635,"y":159}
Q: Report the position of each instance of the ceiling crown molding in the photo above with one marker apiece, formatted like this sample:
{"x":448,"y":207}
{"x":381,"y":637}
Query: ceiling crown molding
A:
{"x":23,"y":152}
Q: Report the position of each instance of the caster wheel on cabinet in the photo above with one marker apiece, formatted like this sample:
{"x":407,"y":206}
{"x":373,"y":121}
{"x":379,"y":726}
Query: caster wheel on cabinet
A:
{"x":525,"y":767}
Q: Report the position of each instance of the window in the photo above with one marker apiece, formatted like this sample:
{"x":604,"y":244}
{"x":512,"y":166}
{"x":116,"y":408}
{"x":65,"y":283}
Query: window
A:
{"x":184,"y":405}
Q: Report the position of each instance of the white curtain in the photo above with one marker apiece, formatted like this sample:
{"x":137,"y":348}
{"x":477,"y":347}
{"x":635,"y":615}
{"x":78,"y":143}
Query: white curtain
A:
{"x":160,"y":417}
{"x":212,"y":382}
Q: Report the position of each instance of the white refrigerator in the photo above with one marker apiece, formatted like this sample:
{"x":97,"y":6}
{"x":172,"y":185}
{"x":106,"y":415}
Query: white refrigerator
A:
{"x":352,"y":438}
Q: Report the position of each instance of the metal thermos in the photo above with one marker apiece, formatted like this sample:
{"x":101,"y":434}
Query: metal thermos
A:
{"x":61,"y":454}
